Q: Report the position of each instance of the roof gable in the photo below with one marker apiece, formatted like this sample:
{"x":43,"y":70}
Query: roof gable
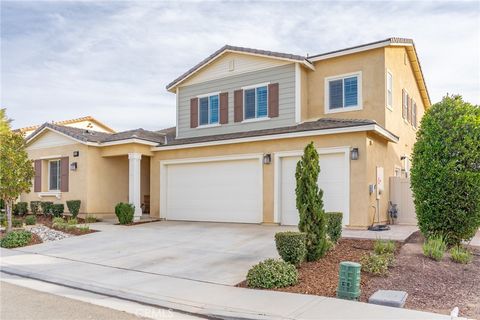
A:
{"x":240,"y":50}
{"x":48,"y":139}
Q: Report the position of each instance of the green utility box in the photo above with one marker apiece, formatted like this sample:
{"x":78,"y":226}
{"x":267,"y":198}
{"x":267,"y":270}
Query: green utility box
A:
{"x":349,"y":280}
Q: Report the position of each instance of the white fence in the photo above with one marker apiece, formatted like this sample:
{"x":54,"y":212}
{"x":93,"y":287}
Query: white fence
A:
{"x":401,"y":195}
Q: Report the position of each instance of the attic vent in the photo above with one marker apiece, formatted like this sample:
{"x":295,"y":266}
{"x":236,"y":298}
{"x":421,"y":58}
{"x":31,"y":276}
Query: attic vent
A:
{"x":231,"y":65}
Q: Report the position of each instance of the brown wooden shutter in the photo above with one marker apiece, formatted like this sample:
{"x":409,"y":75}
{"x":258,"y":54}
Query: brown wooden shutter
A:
{"x":64,"y":171}
{"x":193,"y":112}
{"x":238,"y":105}
{"x":404,"y":116}
{"x":37,"y":183}
{"x":273,"y":100}
{"x":223,"y":107}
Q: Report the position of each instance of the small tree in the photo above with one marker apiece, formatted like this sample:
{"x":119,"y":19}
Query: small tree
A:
{"x":445,"y":176}
{"x":16,"y":170}
{"x":310,"y":204}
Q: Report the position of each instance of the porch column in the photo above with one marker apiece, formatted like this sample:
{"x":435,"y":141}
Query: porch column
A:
{"x":134,"y":183}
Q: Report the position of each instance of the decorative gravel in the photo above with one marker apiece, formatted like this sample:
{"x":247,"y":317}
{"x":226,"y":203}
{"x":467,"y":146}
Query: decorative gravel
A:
{"x":47,"y":234}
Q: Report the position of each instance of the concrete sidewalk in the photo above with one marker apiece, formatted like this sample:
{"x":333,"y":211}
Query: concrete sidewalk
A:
{"x":207,"y":299}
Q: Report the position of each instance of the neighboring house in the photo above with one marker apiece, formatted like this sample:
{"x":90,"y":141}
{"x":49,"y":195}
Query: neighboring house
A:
{"x":88,"y":122}
{"x":243,"y":119}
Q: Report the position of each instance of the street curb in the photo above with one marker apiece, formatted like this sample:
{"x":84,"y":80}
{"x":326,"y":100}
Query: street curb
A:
{"x":206,"y":311}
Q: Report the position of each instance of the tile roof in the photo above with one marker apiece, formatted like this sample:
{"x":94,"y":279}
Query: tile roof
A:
{"x":320,"y":124}
{"x":101,"y":137}
{"x":69,"y":121}
{"x":237,"y":49}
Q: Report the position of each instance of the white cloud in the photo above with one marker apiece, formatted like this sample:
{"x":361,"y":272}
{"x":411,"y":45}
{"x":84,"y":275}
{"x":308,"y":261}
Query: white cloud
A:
{"x":113,"y":59}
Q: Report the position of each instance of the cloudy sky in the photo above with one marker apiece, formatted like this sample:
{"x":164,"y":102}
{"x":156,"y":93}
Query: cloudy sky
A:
{"x":112,"y":59}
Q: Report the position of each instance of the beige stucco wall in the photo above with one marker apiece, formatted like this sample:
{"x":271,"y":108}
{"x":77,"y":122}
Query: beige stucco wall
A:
{"x":77,"y":179}
{"x":371,"y":64}
{"x":358,"y":176}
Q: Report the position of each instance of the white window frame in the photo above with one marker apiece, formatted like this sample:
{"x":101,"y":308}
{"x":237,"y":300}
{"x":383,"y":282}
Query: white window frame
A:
{"x":255,"y":86}
{"x":59,"y":175}
{"x":388,"y":104}
{"x":208,"y":125}
{"x":359,"y":105}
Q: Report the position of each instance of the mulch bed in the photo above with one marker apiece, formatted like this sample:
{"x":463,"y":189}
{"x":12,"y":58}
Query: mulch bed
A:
{"x":321,"y":277}
{"x":431,"y":286}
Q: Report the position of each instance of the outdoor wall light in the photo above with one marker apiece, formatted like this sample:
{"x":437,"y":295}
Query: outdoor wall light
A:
{"x":76,"y":153}
{"x":73,"y":166}
{"x":267,"y":158}
{"x":354,"y":154}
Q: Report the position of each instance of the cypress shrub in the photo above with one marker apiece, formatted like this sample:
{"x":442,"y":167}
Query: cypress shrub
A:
{"x":58,"y":209}
{"x":35,"y":207}
{"x":310,"y":204}
{"x":46,"y":207}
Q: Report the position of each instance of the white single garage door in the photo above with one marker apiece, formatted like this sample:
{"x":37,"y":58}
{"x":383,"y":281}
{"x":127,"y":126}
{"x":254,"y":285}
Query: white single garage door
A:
{"x":220,"y":191}
{"x":333,"y":180}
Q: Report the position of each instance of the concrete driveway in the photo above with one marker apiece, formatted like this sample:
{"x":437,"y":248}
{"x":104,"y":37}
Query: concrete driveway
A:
{"x":210,"y":252}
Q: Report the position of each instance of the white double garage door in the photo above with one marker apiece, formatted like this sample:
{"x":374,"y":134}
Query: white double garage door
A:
{"x":230,"y":189}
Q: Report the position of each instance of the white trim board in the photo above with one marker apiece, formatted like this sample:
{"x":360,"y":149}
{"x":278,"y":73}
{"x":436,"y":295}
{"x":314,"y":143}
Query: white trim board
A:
{"x":295,"y":153}
{"x":298,"y":93}
{"x":164,"y":175}
{"x":370,"y":127}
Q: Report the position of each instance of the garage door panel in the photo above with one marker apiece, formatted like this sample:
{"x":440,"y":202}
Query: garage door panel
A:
{"x":222,"y":191}
{"x":333,"y":180}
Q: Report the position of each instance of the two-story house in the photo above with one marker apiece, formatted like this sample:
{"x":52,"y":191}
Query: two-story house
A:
{"x":244,"y":117}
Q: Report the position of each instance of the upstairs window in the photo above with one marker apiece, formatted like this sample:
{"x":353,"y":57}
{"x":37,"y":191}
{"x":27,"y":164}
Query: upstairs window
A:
{"x":54,"y":175}
{"x":208,"y":110}
{"x":389,"y":90}
{"x":256,"y":102}
{"x":414,"y":114}
{"x":404,"y":104}
{"x":343,"y":93}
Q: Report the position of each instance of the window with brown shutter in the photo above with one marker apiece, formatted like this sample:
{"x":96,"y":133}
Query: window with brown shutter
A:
{"x":223,"y":107}
{"x":238,"y":105}
{"x":414,"y":114}
{"x":409,"y":110}
{"x":404,"y":104}
{"x":273,"y":100}
{"x":193,"y":112}
{"x":64,"y":173}
{"x":37,"y":183}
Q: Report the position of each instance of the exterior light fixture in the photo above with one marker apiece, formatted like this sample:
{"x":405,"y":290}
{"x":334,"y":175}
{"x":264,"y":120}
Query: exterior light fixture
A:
{"x":267,"y":158}
{"x":354,"y":154}
{"x":73,"y":166}
{"x":76,"y":153}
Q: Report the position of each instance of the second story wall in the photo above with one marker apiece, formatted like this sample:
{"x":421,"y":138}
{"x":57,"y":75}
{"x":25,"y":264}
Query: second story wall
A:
{"x":283,"y":75}
{"x":369,"y":66}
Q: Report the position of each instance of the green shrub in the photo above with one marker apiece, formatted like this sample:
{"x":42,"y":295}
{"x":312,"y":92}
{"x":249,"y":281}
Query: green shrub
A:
{"x":3,"y":219}
{"x":15,"y":239}
{"x":291,"y":246}
{"x":460,"y":254}
{"x":22,"y":208}
{"x":272,"y":273}
{"x":90,"y":219}
{"x":58,"y":220}
{"x":46,"y":207}
{"x":124,"y":212}
{"x":73,"y":207}
{"x":35,"y":207}
{"x":58,"y":209}
{"x":375,"y":263}
{"x":72,"y":221}
{"x":84,"y":228}
{"x":309,"y":203}
{"x":434,"y":247}
{"x":15,"y":210}
{"x":384,"y":246}
{"x":17,"y":223}
{"x":30,"y":220}
{"x":334,"y":225}
{"x":445,"y":175}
